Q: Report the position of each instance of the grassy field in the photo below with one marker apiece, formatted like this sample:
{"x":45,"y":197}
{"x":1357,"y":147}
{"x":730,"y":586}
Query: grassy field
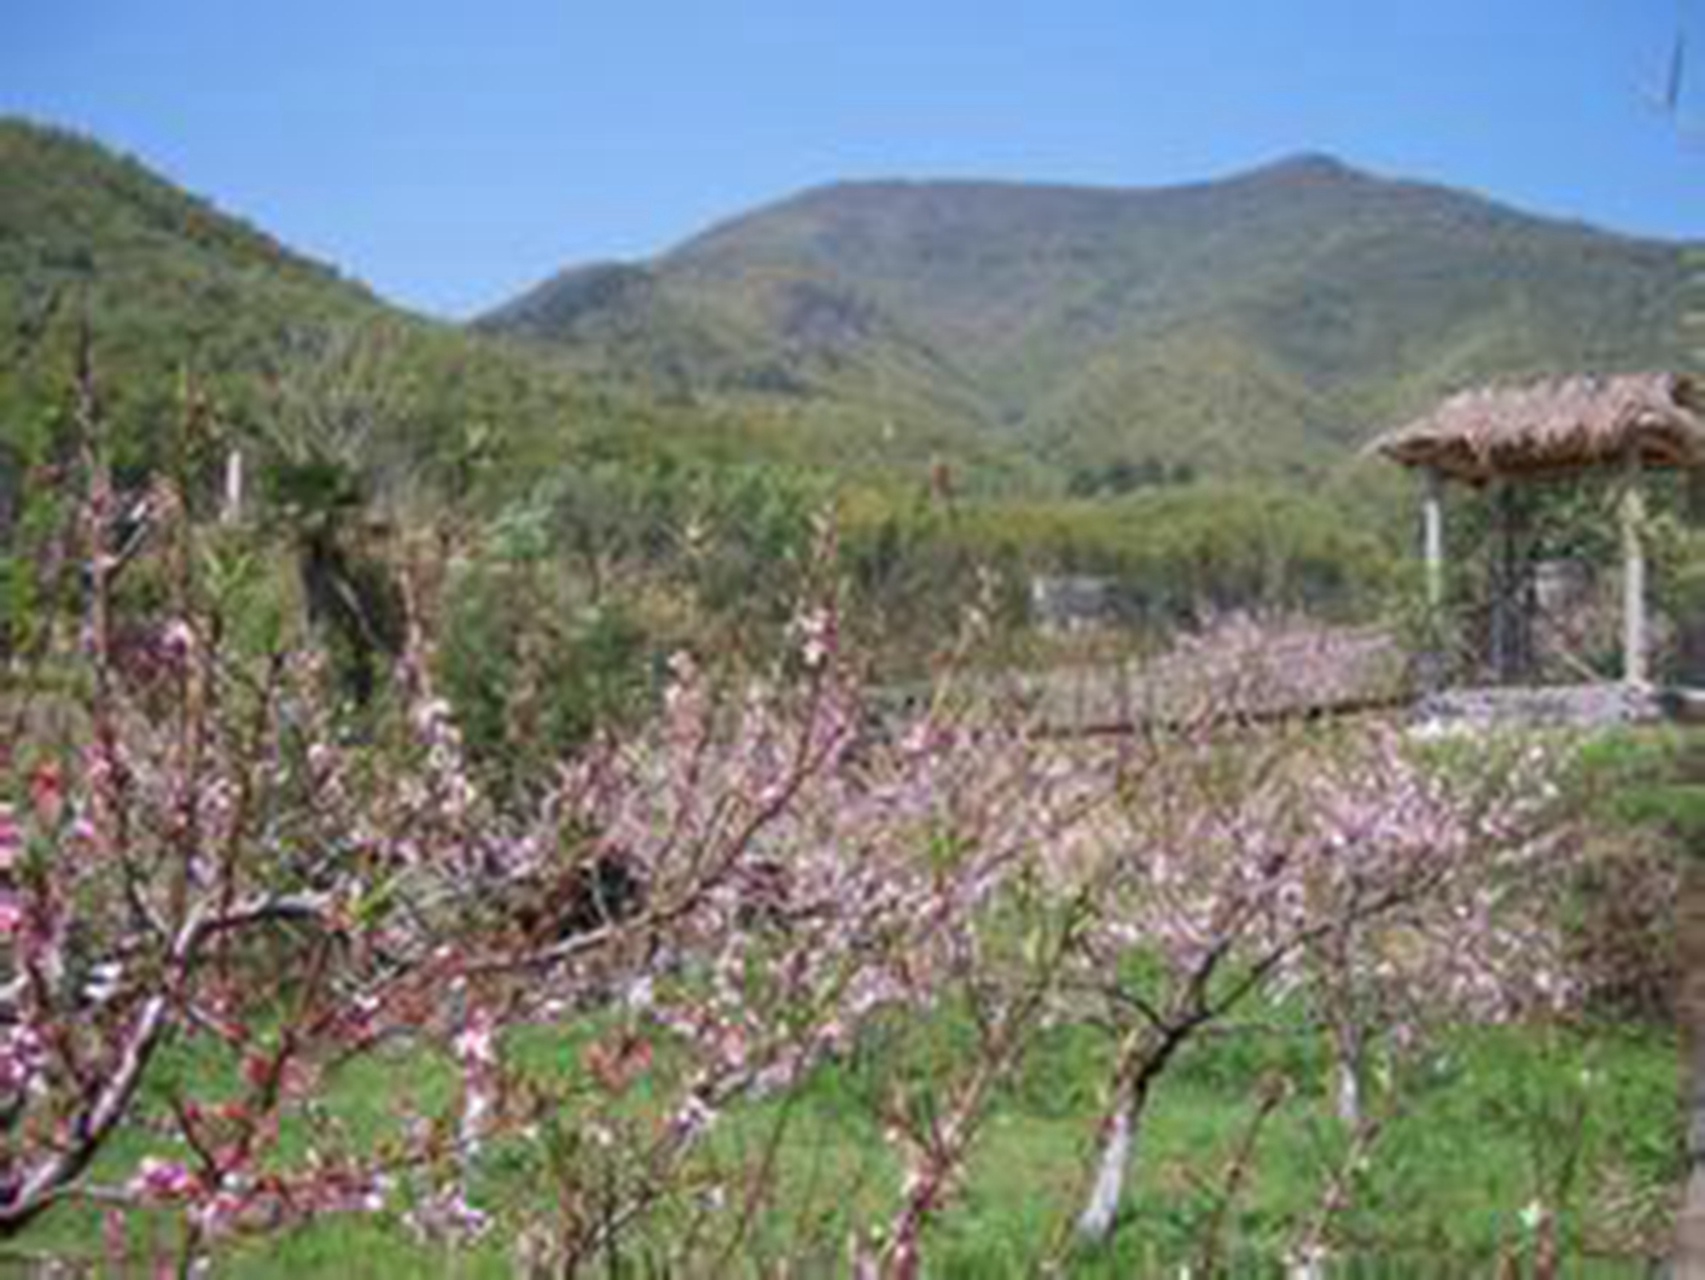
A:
{"x":1584,"y":1118}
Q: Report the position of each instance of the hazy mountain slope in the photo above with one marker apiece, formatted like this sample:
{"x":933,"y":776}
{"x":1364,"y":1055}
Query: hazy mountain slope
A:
{"x":784,"y":342}
{"x":160,"y":274}
{"x":1263,"y":320}
{"x":169,"y":283}
{"x":1258,"y":323}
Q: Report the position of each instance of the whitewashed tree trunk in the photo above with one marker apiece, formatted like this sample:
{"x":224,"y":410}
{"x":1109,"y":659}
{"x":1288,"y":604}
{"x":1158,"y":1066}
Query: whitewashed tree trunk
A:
{"x":1095,"y":1223}
{"x":1343,"y":1019}
{"x":232,"y":510}
{"x":1141,"y":1063}
{"x":1349,"y":1091}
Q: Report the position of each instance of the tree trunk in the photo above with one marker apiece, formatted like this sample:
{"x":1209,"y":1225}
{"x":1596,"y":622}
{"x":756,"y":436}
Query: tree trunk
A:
{"x":1095,"y":1223}
{"x":1349,"y":1093}
{"x":1348,"y":1042}
{"x":1142,"y":1059}
{"x":1342,"y":1017}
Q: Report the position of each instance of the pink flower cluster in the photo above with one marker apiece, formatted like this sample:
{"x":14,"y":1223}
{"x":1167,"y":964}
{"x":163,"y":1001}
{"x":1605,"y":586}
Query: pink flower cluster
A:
{"x":712,"y":905}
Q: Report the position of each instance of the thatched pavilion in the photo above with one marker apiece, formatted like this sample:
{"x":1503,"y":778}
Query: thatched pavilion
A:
{"x":1498,"y":438}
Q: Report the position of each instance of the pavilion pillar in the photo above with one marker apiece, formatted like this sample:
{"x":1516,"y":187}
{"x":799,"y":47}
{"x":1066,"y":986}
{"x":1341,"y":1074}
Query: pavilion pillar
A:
{"x":1433,"y":539}
{"x":1434,"y":657}
{"x":1634,"y":627}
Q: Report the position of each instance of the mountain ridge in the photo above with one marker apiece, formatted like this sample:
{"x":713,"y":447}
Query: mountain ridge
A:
{"x":1263,"y":322}
{"x":172,"y":287}
{"x":1337,"y":297}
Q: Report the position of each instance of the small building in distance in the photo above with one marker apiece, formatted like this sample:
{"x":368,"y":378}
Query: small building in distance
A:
{"x":1067,"y":603}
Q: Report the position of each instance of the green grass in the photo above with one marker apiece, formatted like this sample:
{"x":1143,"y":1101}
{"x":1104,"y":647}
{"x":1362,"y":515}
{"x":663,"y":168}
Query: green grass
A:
{"x":1586,"y":1119}
{"x":1654,"y":778}
{"x":1485,"y":1130}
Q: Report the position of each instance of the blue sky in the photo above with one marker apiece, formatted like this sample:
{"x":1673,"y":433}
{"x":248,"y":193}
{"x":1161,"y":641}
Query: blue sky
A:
{"x":452,"y":153}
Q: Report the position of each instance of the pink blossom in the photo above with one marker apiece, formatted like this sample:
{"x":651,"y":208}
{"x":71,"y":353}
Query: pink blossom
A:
{"x":47,"y":793}
{"x":816,"y":630}
{"x":693,"y":1117}
{"x":800,"y":872}
{"x":23,"y":1055}
{"x":11,"y":839}
{"x":159,"y":1179}
{"x":178,"y":639}
{"x":476,"y":1044}
{"x":446,"y":1215}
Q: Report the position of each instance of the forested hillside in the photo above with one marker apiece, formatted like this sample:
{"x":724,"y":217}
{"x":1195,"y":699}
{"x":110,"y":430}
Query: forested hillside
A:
{"x":1043,"y":379}
{"x":177,"y":295}
{"x":1259,"y":323}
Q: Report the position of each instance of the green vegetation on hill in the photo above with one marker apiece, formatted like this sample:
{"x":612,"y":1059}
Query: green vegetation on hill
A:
{"x":1149,"y":385}
{"x":986,"y":935}
{"x":1256,"y":324}
{"x":162,"y":277}
{"x":1028,"y":336}
{"x":172,"y":288}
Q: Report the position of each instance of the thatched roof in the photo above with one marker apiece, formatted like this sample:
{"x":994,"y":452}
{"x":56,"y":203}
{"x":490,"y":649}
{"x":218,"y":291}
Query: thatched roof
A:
{"x":1558,"y":425}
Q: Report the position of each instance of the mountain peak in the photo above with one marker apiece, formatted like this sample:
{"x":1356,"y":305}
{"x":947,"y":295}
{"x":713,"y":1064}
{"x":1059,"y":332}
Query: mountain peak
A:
{"x":1306,"y":166}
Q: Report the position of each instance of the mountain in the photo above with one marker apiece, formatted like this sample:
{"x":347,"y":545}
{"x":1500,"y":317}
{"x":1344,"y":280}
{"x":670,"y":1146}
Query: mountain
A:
{"x":168,"y":283}
{"x":156,"y":270}
{"x":1264,"y":322}
{"x":1030,"y":335}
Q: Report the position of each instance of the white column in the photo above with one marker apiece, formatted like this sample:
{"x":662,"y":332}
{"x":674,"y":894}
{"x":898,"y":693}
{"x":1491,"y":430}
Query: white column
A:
{"x":232,"y":512}
{"x":1433,"y":539}
{"x":1634,"y":665}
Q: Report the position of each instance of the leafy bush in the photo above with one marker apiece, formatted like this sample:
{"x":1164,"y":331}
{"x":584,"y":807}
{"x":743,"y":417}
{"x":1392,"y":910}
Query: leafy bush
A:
{"x":533,"y":671}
